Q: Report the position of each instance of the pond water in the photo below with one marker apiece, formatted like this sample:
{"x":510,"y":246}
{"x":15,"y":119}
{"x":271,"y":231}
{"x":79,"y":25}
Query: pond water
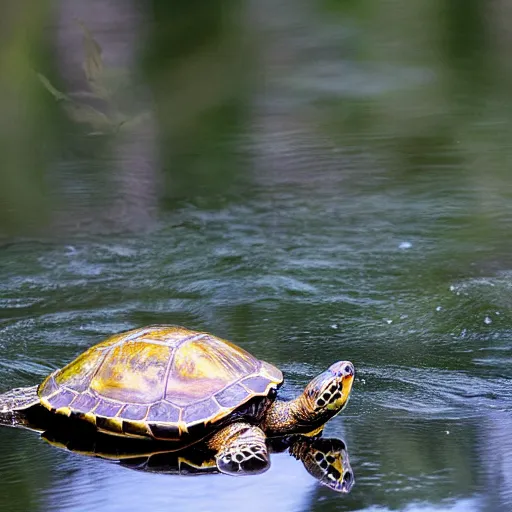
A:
{"x":367,"y":218}
{"x":300,"y":278}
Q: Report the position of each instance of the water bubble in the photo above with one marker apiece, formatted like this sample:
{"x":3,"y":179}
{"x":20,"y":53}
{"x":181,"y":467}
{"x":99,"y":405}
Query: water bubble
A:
{"x":439,"y":308}
{"x":487,"y":320}
{"x":389,"y":321}
{"x":334,"y":326}
{"x":405,"y":245}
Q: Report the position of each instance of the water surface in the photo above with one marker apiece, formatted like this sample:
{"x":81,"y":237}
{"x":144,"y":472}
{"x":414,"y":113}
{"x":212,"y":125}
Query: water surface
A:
{"x":353,"y":203}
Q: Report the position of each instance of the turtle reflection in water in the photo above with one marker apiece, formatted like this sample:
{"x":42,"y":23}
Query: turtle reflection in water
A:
{"x":326,"y":459}
{"x":183,"y":387}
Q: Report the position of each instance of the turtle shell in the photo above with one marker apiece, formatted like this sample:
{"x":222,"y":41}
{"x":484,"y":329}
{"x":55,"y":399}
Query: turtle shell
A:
{"x":164,"y":382}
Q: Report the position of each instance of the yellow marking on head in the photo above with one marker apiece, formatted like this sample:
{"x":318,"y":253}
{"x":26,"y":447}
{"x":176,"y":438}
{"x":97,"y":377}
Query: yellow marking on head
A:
{"x":346,"y":387}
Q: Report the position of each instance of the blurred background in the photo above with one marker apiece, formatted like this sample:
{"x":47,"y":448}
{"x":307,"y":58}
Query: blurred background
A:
{"x":313,"y":179}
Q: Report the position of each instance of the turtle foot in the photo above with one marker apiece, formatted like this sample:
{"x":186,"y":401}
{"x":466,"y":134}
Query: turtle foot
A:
{"x":241,"y":450}
{"x":244,"y":460}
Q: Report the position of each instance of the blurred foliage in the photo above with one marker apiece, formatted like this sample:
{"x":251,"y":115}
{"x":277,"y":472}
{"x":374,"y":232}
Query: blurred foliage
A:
{"x":197,"y":62}
{"x":25,"y":145}
{"x":413,"y":85}
{"x":202,"y":67}
{"x":103,"y":87}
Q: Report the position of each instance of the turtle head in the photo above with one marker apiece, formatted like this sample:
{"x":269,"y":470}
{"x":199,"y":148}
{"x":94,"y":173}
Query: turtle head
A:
{"x":324,"y":397}
{"x":328,"y":393}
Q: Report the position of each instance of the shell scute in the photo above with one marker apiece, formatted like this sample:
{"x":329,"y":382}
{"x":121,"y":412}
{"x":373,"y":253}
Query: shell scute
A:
{"x":232,"y":395}
{"x":78,"y":374}
{"x":134,"y":412}
{"x":169,"y":432}
{"x":200,"y":410}
{"x":162,"y":381}
{"x":107,"y":408}
{"x":84,"y":403}
{"x":257,"y":384}
{"x":113,"y":425}
{"x":133,"y":373}
{"x":170,"y":337}
{"x":135,"y":428}
{"x":61,"y":399}
{"x":163,"y":412}
{"x":48,"y":387}
{"x":204,"y":365}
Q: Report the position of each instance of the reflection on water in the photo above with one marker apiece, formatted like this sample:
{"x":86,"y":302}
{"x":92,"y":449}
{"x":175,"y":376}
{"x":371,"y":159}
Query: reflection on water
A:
{"x":428,"y":416}
{"x":325,"y":459}
{"x":100,"y":484}
{"x":313,"y":180}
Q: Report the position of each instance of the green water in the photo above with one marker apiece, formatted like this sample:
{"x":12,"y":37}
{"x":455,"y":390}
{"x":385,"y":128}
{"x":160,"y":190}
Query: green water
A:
{"x":301,"y":278}
{"x":338,"y":187}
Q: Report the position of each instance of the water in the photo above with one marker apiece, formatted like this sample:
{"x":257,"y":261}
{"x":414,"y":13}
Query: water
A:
{"x":288,"y":277}
{"x":352,"y":203}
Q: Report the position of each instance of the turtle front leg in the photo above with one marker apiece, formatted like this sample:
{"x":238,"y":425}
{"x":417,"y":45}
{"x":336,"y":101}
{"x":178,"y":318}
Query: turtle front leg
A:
{"x":241,"y":449}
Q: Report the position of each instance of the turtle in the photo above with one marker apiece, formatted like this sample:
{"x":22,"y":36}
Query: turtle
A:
{"x":172,"y":384}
